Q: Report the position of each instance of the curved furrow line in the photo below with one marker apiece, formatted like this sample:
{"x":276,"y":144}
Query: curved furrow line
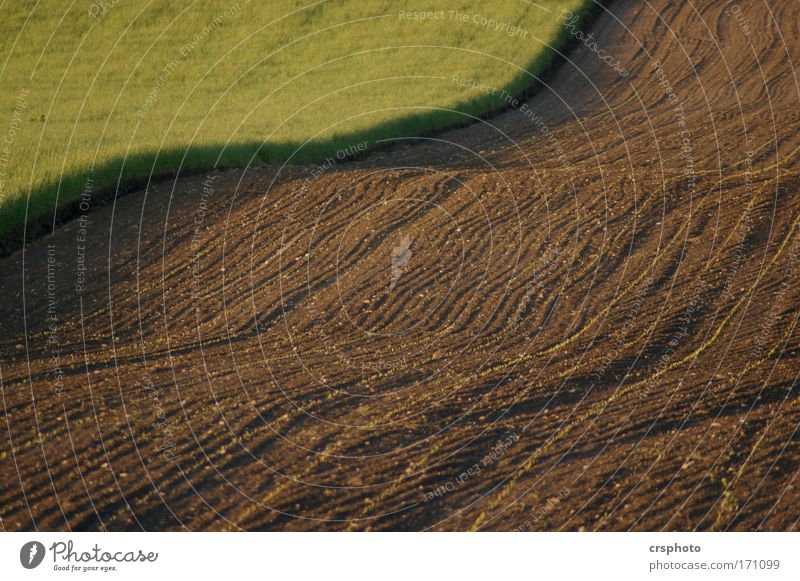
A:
{"x":598,"y":409}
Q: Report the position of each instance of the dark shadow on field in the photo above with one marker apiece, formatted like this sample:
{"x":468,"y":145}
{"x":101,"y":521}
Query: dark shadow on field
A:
{"x":56,"y":202}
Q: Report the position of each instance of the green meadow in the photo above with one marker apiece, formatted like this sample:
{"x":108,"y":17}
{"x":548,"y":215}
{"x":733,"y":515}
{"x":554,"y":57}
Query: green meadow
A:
{"x":109,"y":89}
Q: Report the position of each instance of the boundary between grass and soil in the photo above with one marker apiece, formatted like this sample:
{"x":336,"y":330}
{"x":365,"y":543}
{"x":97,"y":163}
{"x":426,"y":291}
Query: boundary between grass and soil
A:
{"x":523,"y":86}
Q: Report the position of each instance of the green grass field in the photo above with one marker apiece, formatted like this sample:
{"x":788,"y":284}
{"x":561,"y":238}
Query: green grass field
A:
{"x":108,"y":89}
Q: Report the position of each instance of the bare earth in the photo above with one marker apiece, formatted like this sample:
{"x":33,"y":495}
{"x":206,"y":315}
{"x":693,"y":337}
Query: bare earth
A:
{"x":581,"y":314}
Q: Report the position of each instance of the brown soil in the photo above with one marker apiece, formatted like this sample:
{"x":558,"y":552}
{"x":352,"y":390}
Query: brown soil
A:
{"x":596,"y":327}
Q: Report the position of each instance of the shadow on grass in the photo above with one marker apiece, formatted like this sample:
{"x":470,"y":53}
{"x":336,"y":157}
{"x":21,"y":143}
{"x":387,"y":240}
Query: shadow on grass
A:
{"x":53,"y":203}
